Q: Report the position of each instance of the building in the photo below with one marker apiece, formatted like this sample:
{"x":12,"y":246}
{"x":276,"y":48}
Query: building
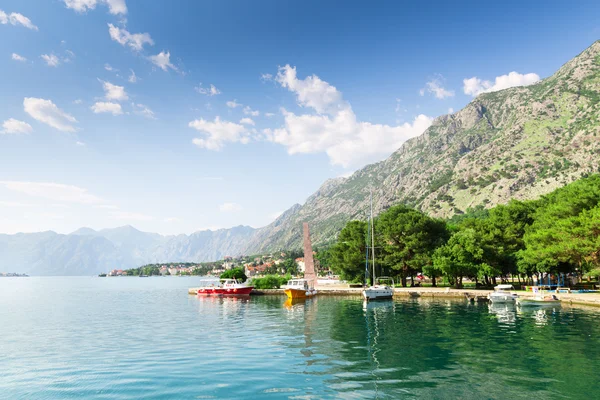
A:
{"x":301,"y":265}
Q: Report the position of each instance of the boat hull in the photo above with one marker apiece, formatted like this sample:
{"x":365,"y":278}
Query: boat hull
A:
{"x":241,"y":291}
{"x":378,"y":294}
{"x":538,"y":303}
{"x":299,"y":293}
{"x":502,"y":298}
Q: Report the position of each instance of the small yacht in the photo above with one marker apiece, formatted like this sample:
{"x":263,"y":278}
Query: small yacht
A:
{"x":380,"y":288}
{"x":503,"y":294}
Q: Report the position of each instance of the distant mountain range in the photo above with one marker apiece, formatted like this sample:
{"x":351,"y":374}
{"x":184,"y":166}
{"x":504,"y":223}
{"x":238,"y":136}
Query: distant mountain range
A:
{"x":520,"y":143}
{"x":89,"y":252}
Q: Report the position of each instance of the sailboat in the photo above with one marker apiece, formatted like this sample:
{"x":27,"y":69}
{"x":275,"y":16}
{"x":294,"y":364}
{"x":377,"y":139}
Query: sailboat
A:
{"x":303,"y":288}
{"x":379,"y":290}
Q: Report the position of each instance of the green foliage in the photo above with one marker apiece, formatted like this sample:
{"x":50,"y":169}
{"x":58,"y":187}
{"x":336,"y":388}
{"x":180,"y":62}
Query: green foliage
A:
{"x":235,"y":273}
{"x":560,"y":233}
{"x":461,"y":256}
{"x":408,"y":238}
{"x":270,"y":281}
{"x":348,"y":254}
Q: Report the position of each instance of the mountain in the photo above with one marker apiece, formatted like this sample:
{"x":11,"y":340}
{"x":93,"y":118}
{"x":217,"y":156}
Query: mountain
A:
{"x":517,"y":143}
{"x":89,"y":252}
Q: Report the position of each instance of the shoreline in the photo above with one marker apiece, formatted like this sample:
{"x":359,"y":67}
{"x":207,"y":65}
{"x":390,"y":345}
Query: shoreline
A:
{"x":574,"y":299}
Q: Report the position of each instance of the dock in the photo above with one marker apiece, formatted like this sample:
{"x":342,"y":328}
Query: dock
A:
{"x":479,"y":296}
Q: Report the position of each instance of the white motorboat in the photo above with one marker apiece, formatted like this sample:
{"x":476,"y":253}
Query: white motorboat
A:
{"x":503,"y":294}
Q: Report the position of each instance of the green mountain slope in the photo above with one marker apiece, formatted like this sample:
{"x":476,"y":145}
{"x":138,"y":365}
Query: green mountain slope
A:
{"x":519,"y":143}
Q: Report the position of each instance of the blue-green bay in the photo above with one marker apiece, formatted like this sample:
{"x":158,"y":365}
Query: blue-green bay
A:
{"x":131,"y":338}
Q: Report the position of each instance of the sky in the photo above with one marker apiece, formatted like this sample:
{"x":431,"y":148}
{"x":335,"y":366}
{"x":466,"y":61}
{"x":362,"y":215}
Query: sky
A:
{"x":176,"y":116}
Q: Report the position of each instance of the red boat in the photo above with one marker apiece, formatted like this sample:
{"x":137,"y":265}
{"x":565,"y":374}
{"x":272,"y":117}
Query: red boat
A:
{"x":227,"y":287}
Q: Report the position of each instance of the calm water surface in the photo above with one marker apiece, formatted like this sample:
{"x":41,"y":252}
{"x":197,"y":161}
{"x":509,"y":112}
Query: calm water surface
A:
{"x":132,"y":338}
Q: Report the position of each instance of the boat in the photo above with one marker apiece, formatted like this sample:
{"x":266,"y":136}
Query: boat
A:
{"x":539,"y":301}
{"x":380,"y":289}
{"x":226,"y":287}
{"x":304,"y":288}
{"x":299,"y":289}
{"x":502,"y":294}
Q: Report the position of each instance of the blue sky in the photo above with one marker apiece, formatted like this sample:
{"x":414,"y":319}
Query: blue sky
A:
{"x":301,"y":92}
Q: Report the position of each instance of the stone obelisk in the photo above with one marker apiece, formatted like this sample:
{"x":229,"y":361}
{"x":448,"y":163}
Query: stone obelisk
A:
{"x":309,"y":262}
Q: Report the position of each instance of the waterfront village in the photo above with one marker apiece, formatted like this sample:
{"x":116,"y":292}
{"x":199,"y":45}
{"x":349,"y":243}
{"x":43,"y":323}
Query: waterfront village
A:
{"x":280,"y":263}
{"x":11,"y":275}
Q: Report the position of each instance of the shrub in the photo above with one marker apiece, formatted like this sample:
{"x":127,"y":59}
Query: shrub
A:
{"x":270,"y":281}
{"x":236,"y":273}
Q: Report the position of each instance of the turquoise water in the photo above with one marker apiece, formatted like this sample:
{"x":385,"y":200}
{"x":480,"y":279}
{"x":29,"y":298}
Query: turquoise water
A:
{"x":132,"y":338}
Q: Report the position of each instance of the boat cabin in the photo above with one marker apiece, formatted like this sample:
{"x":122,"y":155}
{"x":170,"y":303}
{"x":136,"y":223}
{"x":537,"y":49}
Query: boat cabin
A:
{"x":504,"y":288}
{"x":230,"y":282}
{"x":298,"y":284}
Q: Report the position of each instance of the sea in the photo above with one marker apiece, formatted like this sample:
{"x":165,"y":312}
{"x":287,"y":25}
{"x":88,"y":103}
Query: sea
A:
{"x":146,"y":338}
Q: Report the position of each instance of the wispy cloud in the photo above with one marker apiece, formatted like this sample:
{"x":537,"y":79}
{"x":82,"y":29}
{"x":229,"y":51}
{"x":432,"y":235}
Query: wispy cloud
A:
{"x":53,"y":191}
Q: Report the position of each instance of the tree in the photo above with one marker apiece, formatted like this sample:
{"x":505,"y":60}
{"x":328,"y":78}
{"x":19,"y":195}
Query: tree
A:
{"x":408,"y":238}
{"x":235,"y":273}
{"x":461,"y":257}
{"x":566,"y":229}
{"x":348,"y":254}
{"x":290,"y":266}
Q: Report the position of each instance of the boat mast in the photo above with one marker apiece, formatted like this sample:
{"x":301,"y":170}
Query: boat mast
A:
{"x":372,"y":238}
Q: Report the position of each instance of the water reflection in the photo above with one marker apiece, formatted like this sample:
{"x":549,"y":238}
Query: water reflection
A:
{"x":506,"y":313}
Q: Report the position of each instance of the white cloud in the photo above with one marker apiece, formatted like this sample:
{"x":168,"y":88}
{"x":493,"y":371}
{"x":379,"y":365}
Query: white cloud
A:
{"x":109,"y":68}
{"x":107,"y":107}
{"x":143,"y":110}
{"x":233,"y":104}
{"x":230,"y":207}
{"x":16,"y":19}
{"x":172,"y":220}
{"x":136,"y":41}
{"x":115,"y":7}
{"x":15,"y":126}
{"x":77,"y":101}
{"x":17,"y":57}
{"x":209,"y":91}
{"x":266,"y":77}
{"x":249,"y":111}
{"x":336,"y":131}
{"x":247,"y":121}
{"x":78,"y":143}
{"x":451,"y":110}
{"x":269,"y":115}
{"x":53,"y":191}
{"x":475,"y":86}
{"x":311,"y":91}
{"x":163,"y":61}
{"x":435,"y":87}
{"x":345,"y":140}
{"x":51,"y":60}
{"x":132,"y":78}
{"x":219,"y":132}
{"x":114,"y":92}
{"x":47,"y":112}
